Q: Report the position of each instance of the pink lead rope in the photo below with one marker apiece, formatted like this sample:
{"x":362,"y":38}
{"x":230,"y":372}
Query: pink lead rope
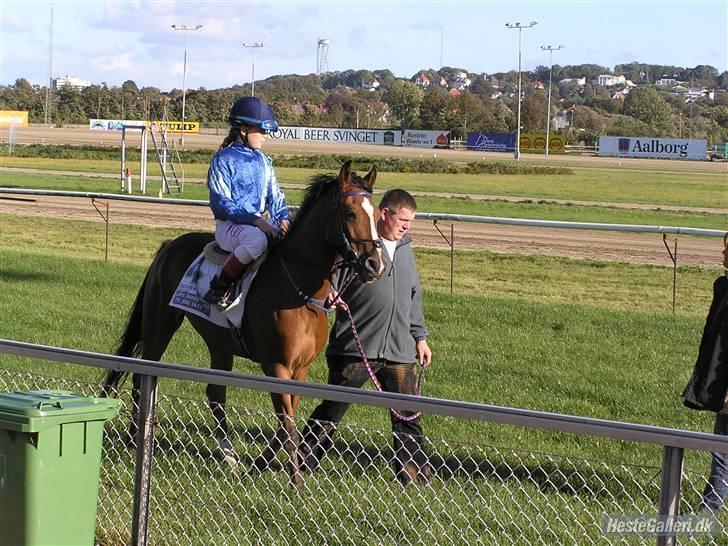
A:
{"x":341,"y":304}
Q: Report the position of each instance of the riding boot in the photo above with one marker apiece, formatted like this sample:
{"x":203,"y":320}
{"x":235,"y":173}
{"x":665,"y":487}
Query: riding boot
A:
{"x":220,"y":285}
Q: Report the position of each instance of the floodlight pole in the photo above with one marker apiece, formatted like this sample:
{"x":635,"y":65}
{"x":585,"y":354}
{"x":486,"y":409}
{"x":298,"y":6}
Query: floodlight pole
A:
{"x":551,"y":50}
{"x":184,"y":28}
{"x":252,"y":46}
{"x":520,"y":27}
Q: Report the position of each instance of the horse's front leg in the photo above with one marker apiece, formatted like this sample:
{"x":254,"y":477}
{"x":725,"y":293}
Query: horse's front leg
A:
{"x":286,"y":436}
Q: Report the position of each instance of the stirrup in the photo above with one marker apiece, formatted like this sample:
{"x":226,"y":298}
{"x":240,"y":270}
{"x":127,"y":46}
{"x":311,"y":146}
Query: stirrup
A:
{"x":214,"y":295}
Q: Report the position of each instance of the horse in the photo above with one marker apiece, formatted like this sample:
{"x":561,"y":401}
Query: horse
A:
{"x":284,"y":325}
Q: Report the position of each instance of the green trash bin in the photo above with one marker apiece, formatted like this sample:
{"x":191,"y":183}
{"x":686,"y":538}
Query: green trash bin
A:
{"x":50,"y":460}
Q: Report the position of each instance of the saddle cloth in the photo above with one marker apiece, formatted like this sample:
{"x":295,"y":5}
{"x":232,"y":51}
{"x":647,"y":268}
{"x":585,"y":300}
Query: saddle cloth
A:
{"x":196,"y":282}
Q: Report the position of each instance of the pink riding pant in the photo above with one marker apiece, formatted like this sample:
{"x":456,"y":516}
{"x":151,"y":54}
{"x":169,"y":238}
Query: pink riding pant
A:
{"x":246,"y":242}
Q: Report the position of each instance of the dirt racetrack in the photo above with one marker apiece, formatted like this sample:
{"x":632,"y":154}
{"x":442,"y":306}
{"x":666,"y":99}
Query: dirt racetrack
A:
{"x":580,"y":244}
{"x":627,"y":247}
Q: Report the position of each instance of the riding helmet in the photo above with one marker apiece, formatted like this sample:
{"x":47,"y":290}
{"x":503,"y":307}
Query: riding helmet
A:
{"x":255,"y":112}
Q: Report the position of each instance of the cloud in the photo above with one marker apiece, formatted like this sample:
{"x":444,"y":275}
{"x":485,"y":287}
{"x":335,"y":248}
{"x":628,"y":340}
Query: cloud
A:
{"x":121,"y":63}
{"x":12,"y":23}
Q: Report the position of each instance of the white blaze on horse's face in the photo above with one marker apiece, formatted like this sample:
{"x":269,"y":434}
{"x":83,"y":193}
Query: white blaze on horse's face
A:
{"x":369,"y":209}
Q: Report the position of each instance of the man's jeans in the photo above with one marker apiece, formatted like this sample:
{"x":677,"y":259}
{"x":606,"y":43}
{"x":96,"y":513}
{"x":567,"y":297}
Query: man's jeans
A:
{"x":716,"y":490}
{"x":411,"y":461}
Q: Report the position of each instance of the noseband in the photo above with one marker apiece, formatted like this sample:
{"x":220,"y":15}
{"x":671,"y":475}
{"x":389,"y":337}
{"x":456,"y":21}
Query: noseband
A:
{"x":344,"y":246}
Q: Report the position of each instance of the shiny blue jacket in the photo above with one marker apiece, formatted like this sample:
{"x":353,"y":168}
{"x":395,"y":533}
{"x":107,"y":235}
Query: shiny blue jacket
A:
{"x":243,"y":185}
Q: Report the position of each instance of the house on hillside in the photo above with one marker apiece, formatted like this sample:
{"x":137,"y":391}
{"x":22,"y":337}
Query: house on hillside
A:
{"x":537,"y":84}
{"x":461,"y":81}
{"x":667,"y":82}
{"x":454,"y":92}
{"x":581,"y":82}
{"x":371,"y":85}
{"x":422,"y":81}
{"x":609,"y":80}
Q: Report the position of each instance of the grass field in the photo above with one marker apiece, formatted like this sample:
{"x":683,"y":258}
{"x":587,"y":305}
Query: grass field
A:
{"x":613,"y":186}
{"x":580,"y":337}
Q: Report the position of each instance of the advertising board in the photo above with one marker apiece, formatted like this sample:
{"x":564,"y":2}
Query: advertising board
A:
{"x":535,"y":143}
{"x":649,"y":147}
{"x":189,"y":127}
{"x":491,"y":142}
{"x":426,"y":139}
{"x":113,"y":124}
{"x":351,"y":136}
{"x":16,"y":118}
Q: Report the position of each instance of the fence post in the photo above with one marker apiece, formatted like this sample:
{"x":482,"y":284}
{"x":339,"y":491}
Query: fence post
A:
{"x":144,"y":452}
{"x":672,"y":462}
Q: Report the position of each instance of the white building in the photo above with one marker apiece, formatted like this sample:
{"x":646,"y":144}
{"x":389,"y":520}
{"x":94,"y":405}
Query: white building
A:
{"x":581,"y":82}
{"x":667,"y":81}
{"x":608,"y":80}
{"x":73,"y":81}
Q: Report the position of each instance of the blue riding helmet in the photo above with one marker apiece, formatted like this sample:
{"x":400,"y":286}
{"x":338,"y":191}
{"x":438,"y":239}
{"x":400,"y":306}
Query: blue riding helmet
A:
{"x":255,"y":112}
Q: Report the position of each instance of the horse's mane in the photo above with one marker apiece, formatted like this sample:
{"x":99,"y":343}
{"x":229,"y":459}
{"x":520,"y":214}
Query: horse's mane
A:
{"x":319,"y":185}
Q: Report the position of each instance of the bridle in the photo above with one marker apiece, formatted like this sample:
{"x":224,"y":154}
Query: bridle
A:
{"x":344,"y":245}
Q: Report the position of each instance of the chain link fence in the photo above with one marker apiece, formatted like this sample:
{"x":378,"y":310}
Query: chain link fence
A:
{"x":478,"y":494}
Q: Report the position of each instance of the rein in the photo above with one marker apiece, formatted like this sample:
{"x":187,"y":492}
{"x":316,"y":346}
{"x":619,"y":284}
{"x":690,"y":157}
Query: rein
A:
{"x":341,"y":304}
{"x":316,"y":302}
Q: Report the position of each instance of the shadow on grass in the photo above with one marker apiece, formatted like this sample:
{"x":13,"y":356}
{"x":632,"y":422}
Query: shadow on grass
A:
{"x":362,"y":454}
{"x":22,"y":276}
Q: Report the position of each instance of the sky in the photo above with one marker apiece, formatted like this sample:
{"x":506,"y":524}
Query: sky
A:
{"x":117,"y":40}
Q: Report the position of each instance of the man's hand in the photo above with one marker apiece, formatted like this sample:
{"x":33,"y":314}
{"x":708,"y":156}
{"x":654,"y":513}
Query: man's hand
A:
{"x":330,"y":301}
{"x":424,"y":354}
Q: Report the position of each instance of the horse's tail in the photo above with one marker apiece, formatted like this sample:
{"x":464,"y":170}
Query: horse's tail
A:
{"x":131,"y":342}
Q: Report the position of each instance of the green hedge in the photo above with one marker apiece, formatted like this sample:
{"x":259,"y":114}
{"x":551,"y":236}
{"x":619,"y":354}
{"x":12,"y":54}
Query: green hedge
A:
{"x":312,"y":161}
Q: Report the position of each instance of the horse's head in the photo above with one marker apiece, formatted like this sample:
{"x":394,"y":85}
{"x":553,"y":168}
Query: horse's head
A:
{"x":357,"y":223}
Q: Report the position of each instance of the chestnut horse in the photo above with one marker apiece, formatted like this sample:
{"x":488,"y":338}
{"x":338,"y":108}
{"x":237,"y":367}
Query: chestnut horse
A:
{"x":284,"y":326}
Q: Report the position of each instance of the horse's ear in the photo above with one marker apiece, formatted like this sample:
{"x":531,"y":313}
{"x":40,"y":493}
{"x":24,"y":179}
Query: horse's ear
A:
{"x":345,"y":173}
{"x":371,"y":177}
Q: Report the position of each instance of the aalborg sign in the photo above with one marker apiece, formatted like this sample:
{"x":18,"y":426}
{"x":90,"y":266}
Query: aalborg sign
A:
{"x":664,"y":148}
{"x":328,"y":134}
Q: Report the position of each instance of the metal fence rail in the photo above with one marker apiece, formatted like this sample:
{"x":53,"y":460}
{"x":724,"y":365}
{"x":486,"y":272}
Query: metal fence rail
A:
{"x":635,"y":228}
{"x":479,"y":494}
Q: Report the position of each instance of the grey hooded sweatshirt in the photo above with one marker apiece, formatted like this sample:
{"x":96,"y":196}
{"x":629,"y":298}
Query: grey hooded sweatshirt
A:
{"x":387,"y":313}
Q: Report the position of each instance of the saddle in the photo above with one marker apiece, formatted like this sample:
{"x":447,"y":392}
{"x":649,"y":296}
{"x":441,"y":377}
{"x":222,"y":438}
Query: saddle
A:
{"x":215,"y":254}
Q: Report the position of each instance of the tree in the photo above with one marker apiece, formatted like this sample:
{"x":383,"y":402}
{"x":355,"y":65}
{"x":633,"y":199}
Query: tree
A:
{"x":646,"y":105}
{"x":533,"y":112}
{"x":434,"y":108}
{"x":404,"y":99}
